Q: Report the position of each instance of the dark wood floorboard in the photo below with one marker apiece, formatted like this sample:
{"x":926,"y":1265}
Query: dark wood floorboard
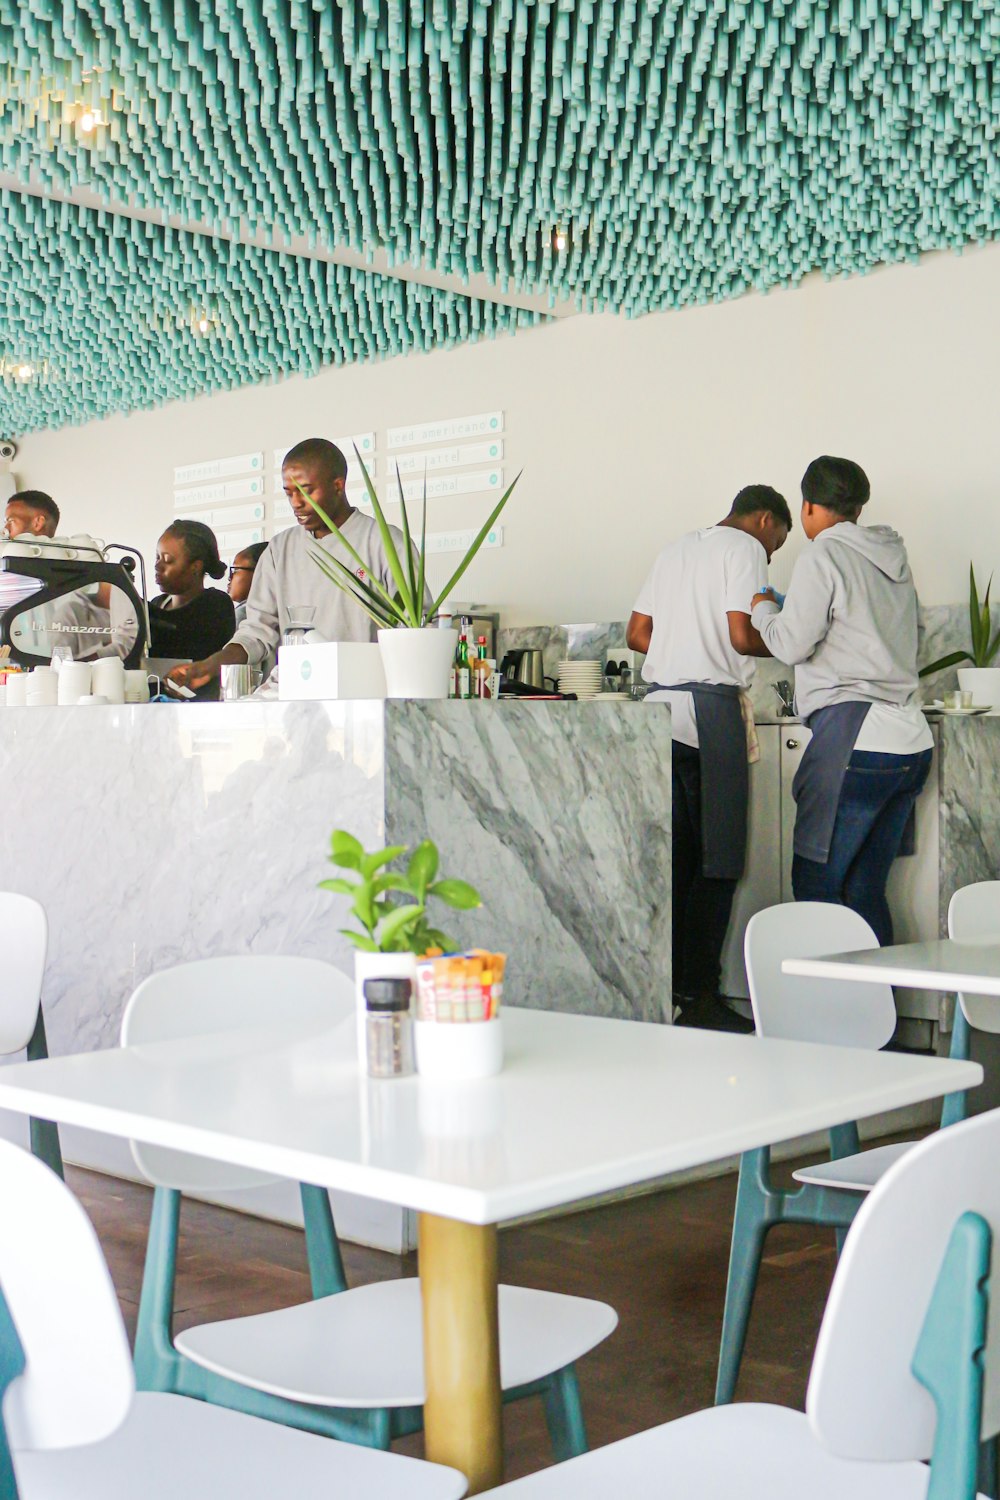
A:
{"x":659,"y":1260}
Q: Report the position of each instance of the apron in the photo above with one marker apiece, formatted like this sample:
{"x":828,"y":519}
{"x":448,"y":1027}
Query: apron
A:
{"x":819,"y":779}
{"x":725,"y":775}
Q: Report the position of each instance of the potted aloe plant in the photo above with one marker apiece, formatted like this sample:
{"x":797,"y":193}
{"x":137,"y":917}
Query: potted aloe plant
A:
{"x":982,"y":679}
{"x":390,"y":934}
{"x":417,"y":658}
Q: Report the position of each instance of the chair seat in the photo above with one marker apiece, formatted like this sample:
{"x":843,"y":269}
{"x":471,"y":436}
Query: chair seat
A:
{"x":365,"y":1347}
{"x":855,"y":1174}
{"x":173,"y":1448}
{"x":744,"y":1452}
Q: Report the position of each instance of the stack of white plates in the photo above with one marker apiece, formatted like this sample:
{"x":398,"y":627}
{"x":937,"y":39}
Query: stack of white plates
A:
{"x":584,"y":678}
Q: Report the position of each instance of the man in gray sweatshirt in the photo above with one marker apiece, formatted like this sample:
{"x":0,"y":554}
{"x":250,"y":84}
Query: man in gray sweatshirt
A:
{"x":849,"y":628}
{"x":287,"y":576}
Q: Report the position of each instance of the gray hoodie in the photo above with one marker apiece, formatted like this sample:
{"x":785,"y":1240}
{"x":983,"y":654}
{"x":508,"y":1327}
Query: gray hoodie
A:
{"x":849,"y":622}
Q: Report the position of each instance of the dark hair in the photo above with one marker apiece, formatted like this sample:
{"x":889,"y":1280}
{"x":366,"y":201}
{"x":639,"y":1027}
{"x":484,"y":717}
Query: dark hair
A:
{"x":757,"y":497}
{"x":321,"y":452}
{"x":255,"y":552}
{"x":837,"y":484}
{"x":38,"y":500}
{"x":200,"y":545}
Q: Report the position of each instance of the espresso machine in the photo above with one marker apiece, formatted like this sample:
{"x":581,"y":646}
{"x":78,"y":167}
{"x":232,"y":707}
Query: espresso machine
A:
{"x":70,"y":592}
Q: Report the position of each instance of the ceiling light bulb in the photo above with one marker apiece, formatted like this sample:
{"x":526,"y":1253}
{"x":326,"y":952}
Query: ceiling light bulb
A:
{"x":24,"y":372}
{"x":559,"y":239}
{"x":203,"y":325}
{"x":88,"y":121}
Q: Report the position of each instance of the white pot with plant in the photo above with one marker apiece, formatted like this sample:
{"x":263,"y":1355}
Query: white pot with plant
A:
{"x":982,"y":679}
{"x":417,"y":658}
{"x":391,"y":934}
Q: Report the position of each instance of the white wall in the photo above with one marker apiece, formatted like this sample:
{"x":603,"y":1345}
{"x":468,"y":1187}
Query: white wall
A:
{"x":629,"y":432}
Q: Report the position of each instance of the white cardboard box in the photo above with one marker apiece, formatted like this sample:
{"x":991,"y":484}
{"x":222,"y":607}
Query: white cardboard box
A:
{"x":331,"y":669}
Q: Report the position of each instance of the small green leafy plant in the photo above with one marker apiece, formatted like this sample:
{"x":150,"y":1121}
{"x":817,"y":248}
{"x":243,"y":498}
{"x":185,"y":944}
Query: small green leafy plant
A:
{"x":388,"y":925}
{"x":407,"y":607}
{"x":984,"y":645}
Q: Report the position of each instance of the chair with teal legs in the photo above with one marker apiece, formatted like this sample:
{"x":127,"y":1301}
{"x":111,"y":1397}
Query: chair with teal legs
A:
{"x":72,"y":1426}
{"x":907,"y":1366}
{"x":349,"y":1363}
{"x":22,"y":1025}
{"x":809,"y":1010}
{"x":973,"y":916}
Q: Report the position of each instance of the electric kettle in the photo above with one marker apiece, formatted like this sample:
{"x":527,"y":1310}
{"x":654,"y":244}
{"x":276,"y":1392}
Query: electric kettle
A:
{"x":525,"y":666}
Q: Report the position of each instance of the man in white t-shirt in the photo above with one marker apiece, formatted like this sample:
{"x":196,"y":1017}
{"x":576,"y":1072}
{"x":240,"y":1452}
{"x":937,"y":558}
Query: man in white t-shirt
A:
{"x":692,"y":619}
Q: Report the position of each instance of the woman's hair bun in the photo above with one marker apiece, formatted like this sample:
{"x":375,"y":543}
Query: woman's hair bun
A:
{"x":201,"y":545}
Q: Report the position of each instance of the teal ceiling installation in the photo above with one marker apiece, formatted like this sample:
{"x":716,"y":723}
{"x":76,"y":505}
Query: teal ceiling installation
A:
{"x":624,"y":155}
{"x":105,"y":314}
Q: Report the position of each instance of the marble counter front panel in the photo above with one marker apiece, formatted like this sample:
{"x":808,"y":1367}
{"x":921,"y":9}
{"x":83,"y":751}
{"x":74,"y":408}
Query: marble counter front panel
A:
{"x":970,"y":804}
{"x":559,"y":813}
{"x":154,"y":834}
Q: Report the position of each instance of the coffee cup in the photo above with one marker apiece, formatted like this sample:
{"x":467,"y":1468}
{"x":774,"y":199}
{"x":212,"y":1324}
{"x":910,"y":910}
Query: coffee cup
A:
{"x":17,"y":689}
{"x":74,"y":681}
{"x":109,"y":679}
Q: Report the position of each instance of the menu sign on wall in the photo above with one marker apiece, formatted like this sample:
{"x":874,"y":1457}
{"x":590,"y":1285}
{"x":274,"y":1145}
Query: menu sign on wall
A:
{"x":451,"y":484}
{"x":215,"y":494}
{"x":456,"y":456}
{"x":461,"y":541}
{"x":448,"y":429}
{"x":219,"y":468}
{"x":363,"y":441}
{"x":231,"y":515}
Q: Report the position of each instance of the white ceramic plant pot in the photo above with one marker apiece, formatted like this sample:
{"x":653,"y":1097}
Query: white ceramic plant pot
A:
{"x":983,"y":683}
{"x":417,"y":663}
{"x":377,"y":966}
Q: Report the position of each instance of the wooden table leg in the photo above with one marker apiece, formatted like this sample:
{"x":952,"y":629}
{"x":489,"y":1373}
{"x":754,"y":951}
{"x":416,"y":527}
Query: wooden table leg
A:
{"x":462,"y":1411}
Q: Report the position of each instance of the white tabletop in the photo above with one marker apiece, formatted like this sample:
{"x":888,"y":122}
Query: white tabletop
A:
{"x":941,"y":964}
{"x":583,"y":1106}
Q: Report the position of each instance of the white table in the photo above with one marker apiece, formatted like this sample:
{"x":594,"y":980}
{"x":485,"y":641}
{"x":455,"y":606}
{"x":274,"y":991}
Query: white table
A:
{"x":583,"y":1106}
{"x":941,"y":964}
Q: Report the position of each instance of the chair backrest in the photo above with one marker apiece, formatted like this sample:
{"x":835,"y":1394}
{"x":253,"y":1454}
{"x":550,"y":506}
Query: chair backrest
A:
{"x":841,"y":1013}
{"x":26,"y":936}
{"x":215,"y":995}
{"x":78,"y":1380}
{"x":863,"y":1401}
{"x":974,"y":916}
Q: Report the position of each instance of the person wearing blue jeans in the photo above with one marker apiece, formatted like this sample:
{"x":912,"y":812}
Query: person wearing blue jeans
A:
{"x":848,"y":626}
{"x":876,"y":802}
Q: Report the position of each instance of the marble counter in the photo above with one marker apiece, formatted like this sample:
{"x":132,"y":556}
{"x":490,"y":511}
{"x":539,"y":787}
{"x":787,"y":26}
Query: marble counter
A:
{"x":156,"y":834}
{"x":969,"y":780}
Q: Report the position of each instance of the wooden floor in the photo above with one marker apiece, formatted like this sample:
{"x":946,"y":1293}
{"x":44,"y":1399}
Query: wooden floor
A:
{"x":659,"y":1260}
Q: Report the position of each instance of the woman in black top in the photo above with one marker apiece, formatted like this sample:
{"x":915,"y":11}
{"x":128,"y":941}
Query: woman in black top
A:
{"x":188,"y":620}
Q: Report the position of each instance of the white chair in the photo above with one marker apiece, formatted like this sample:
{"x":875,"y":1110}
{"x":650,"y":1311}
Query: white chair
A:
{"x":73,"y":1426}
{"x":22,"y":1025}
{"x":898,"y":1372}
{"x":807,"y":1010}
{"x":348,"y":1363}
{"x":973,"y":916}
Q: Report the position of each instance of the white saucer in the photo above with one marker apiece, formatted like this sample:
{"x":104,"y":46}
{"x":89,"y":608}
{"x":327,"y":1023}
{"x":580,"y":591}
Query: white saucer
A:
{"x":938,"y":707}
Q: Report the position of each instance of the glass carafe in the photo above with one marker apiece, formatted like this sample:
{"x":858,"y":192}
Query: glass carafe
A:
{"x":300,"y":624}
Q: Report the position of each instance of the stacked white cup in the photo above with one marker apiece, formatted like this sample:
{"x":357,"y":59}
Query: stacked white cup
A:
{"x":17,"y":689}
{"x":108,"y":679}
{"x":74,"y":680}
{"x":42,"y":688}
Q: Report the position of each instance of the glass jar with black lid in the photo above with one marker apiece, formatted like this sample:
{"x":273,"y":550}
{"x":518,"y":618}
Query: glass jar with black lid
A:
{"x":388,"y":1027}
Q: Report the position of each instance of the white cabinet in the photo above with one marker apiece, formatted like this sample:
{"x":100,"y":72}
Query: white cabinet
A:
{"x":913,"y":884}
